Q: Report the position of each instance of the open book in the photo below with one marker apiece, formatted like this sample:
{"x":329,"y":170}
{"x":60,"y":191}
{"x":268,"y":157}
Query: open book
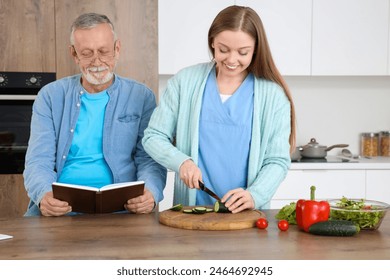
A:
{"x":107,"y":199}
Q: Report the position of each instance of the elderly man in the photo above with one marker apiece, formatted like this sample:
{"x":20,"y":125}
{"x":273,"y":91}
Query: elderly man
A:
{"x":87,"y":129}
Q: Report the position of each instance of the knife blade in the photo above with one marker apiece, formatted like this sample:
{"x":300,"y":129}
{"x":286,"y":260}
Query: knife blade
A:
{"x":208,"y":191}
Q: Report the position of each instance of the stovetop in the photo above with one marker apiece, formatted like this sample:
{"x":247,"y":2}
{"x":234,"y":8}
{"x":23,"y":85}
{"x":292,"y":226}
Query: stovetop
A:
{"x":329,"y":159}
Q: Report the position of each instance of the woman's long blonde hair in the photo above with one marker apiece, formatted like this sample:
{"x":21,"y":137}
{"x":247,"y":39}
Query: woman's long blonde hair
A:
{"x":245,"y":19}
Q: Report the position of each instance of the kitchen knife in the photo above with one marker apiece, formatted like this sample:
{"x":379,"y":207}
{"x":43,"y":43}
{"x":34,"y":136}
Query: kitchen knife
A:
{"x":208,"y":191}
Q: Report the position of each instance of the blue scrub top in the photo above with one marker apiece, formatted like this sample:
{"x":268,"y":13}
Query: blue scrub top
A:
{"x":225,"y":131}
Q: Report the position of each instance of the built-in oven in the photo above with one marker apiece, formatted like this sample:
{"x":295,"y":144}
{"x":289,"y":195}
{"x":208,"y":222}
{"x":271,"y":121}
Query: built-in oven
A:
{"x":17,"y":94}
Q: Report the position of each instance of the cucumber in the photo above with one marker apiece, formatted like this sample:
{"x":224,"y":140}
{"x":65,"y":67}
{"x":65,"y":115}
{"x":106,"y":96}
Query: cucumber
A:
{"x":334,"y":228}
{"x":176,"y":207}
{"x":199,"y":210}
{"x":220,"y":207}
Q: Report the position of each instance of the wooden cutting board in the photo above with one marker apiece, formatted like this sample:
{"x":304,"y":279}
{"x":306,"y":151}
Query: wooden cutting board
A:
{"x":211,"y":220}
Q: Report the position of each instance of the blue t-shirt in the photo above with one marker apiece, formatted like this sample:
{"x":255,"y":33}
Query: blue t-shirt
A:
{"x":85,"y":164}
{"x":225,"y":131}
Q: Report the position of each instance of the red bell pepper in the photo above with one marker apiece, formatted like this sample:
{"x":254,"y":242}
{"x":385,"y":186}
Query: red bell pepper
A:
{"x":309,"y":212}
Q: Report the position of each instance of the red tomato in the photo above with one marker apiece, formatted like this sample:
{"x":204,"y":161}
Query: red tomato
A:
{"x":262,"y":223}
{"x":283,"y":225}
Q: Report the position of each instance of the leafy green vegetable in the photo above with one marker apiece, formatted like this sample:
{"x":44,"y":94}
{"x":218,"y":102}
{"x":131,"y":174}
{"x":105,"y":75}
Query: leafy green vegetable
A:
{"x":365,"y":216}
{"x":288,"y":213}
{"x":352,"y":204}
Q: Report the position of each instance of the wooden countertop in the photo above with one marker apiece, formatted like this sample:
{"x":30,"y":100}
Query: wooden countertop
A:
{"x":127,"y":236}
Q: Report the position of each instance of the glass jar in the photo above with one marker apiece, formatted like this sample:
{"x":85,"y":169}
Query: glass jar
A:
{"x":369,"y":144}
{"x":384,"y":143}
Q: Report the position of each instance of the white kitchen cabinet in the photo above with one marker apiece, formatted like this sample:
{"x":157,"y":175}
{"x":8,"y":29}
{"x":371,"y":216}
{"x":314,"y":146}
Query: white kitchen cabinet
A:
{"x":288,"y":28}
{"x":378,"y":186}
{"x":184,"y":24}
{"x":183,"y":28}
{"x":350,"y":37}
{"x":388,"y":49}
{"x":306,"y":37}
{"x":329,"y":184}
{"x":167,"y":202}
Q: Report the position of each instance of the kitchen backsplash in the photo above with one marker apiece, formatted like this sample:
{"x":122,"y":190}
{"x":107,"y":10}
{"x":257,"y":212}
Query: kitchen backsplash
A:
{"x":336,"y":109}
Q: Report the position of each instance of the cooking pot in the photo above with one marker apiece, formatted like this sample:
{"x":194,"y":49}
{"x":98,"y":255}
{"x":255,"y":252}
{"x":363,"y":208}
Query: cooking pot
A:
{"x":296,"y":155}
{"x":315,"y":150}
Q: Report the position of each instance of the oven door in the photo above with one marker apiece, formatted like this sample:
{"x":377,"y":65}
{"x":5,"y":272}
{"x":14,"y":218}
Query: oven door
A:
{"x":15,"y":119}
{"x":18,"y":91}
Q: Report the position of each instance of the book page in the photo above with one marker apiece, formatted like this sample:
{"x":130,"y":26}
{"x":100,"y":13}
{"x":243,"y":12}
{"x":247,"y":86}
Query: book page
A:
{"x":120,"y":185}
{"x":77,"y":187}
{"x":5,"y":236}
{"x":104,"y":188}
{"x":114,"y":199}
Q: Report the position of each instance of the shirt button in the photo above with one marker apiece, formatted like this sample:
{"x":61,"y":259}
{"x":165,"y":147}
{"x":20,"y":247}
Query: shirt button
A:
{"x":72,"y":130}
{"x":64,"y":157}
{"x":78,"y":104}
{"x":81,"y":92}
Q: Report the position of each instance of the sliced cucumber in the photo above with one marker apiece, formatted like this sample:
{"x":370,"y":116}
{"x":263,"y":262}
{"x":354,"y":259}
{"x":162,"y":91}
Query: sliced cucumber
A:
{"x":199,"y":210}
{"x":220,"y":207}
{"x":334,"y":228}
{"x":176,"y":207}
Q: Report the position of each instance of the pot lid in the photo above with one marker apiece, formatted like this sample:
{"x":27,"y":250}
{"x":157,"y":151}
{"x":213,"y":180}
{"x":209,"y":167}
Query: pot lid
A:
{"x":314,"y":144}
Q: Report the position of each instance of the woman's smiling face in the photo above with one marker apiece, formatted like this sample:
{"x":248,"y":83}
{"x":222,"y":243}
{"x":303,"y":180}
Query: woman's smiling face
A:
{"x":233,"y":52}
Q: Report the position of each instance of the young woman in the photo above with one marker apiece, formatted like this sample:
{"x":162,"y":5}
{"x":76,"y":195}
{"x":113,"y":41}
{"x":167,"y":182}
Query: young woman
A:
{"x":232,"y":120}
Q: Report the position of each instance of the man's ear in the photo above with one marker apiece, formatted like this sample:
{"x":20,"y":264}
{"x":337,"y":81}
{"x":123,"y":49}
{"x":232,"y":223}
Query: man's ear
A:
{"x":118,"y":47}
{"x":73,"y":53}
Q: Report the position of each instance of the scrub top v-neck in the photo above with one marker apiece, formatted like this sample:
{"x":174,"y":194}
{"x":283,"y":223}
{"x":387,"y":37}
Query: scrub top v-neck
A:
{"x":225,"y":130}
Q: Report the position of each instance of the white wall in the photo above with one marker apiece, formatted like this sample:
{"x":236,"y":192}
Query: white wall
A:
{"x":335,"y":110}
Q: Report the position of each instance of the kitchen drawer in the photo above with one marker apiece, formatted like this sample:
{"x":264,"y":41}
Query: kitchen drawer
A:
{"x":13,"y":196}
{"x":329,"y":184}
{"x":378,"y":185}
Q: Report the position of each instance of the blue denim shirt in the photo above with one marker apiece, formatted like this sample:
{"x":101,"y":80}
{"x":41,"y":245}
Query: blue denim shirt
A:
{"x":55,"y":113}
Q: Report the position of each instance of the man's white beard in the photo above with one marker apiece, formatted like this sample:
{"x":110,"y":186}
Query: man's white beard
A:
{"x":96,"y":78}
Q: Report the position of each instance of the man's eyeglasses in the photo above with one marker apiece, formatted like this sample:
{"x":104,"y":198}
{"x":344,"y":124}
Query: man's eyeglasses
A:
{"x":89,"y":56}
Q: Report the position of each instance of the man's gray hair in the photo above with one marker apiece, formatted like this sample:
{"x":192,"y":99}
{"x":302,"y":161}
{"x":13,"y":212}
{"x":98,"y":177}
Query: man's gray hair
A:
{"x":88,"y":21}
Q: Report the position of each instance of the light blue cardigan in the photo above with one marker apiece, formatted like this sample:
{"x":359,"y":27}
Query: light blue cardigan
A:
{"x":177,"y":115}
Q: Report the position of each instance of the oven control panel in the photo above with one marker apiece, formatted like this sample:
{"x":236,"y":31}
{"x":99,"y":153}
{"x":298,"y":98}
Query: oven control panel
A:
{"x":25,"y":79}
